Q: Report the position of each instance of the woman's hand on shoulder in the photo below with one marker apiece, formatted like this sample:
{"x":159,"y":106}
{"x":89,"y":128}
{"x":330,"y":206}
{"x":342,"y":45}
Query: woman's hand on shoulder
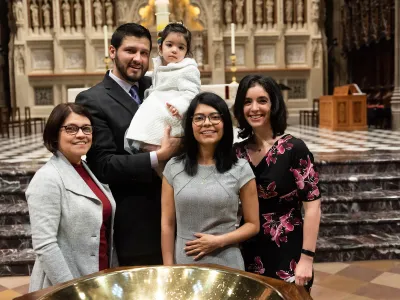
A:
{"x":203,"y":245}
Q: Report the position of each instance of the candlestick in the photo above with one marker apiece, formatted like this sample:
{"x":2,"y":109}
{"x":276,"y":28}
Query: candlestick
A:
{"x":105,"y":31}
{"x":233,"y":38}
{"x":233,"y":68}
{"x":107,"y":61}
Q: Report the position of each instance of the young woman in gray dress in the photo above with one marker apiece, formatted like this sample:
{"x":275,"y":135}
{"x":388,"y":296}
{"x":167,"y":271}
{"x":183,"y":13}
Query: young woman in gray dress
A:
{"x":201,"y":191}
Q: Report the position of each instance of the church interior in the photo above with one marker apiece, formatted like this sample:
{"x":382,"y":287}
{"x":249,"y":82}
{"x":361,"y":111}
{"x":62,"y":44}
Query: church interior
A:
{"x":337,"y":62}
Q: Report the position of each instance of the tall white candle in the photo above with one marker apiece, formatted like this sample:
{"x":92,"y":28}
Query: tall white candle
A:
{"x":233,"y":38}
{"x":105,"y":31}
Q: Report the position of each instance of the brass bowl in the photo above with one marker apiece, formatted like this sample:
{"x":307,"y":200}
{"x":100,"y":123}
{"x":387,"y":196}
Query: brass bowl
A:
{"x":167,"y":283}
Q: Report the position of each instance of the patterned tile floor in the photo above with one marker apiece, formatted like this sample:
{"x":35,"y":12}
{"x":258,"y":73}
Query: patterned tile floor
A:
{"x":362,"y":280}
{"x":30,"y":148}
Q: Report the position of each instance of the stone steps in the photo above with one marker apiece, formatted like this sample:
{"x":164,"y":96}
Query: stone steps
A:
{"x":333,"y":164}
{"x":360,"y":207}
{"x":349,"y":202}
{"x":15,"y":236}
{"x":13,"y":196}
{"x":15,"y":262}
{"x":360,"y":223}
{"x":14,"y":213}
{"x":358,"y":247}
{"x":15,"y":231}
{"x":16,"y":253}
{"x":332,"y":184}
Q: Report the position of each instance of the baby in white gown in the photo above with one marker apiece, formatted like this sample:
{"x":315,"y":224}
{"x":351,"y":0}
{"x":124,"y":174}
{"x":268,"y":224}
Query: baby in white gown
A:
{"x":175,"y":82}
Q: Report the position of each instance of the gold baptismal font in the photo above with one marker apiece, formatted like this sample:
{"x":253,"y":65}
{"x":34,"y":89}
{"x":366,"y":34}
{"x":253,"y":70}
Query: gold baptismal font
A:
{"x":179,"y":282}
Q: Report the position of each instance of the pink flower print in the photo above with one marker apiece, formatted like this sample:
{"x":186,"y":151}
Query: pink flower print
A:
{"x":288,"y":221}
{"x":284,"y":145}
{"x":278,"y":228}
{"x":257,"y":267}
{"x":298,"y":177}
{"x":289,"y":275}
{"x":270,"y":157}
{"x":279,"y":149}
{"x":313,"y":192}
{"x":306,"y":178}
{"x":269,"y":224}
{"x":269,"y":192}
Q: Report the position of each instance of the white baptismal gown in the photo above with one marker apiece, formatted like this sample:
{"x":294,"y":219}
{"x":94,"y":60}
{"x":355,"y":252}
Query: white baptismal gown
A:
{"x":176,"y":84}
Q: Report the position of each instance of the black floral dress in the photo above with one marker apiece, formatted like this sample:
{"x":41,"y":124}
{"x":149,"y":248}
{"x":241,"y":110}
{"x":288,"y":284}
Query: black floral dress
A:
{"x":285,"y":178}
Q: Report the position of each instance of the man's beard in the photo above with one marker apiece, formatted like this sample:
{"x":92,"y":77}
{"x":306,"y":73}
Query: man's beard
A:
{"x":121,"y":70}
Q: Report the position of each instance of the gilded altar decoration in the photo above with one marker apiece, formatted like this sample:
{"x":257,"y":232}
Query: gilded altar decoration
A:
{"x":180,"y":10}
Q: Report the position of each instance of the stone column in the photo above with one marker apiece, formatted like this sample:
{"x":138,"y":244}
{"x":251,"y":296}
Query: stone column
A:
{"x":250,"y":45}
{"x":395,"y":103}
{"x":2,"y":91}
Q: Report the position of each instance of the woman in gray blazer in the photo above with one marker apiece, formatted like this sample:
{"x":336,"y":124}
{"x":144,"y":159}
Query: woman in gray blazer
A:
{"x":71,"y":212}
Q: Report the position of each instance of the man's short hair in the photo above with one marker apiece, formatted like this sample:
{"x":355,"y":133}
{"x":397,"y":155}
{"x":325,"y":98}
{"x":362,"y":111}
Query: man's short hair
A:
{"x":129,"y":29}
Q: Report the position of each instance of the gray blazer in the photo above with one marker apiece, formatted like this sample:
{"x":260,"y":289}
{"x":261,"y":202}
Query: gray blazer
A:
{"x":66,"y":217}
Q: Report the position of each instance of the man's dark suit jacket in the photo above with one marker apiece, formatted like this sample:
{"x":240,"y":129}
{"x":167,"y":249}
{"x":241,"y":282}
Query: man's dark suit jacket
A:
{"x":134,"y":184}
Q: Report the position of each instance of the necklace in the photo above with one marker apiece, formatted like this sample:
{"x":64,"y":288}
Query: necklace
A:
{"x":204,"y":179}
{"x":263,"y":145}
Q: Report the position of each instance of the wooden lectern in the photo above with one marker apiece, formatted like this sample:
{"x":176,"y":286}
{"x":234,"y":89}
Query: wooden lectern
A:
{"x":346,"y":110}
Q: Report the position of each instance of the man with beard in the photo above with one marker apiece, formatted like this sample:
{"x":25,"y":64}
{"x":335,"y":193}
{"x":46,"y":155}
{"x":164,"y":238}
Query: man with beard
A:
{"x":132,"y":179}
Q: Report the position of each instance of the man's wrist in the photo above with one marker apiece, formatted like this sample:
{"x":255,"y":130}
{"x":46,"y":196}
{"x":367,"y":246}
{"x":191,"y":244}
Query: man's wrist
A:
{"x":159,"y":155}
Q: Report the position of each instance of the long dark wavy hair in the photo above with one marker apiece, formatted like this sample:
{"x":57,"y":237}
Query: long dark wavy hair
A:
{"x":278,"y":115}
{"x":224,"y":154}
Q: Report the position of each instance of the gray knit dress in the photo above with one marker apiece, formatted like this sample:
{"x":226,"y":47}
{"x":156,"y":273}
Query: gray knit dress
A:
{"x":207,"y":203}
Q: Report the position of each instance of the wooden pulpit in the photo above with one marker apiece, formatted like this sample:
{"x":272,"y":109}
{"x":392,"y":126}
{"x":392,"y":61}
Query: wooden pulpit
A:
{"x":346,"y":110}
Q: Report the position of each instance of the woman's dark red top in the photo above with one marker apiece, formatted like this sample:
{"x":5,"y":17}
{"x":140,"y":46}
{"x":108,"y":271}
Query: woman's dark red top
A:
{"x":107,"y":210}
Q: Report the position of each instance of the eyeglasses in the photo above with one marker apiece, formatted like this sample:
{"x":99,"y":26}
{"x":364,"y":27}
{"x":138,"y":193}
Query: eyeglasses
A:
{"x":214,"y":118}
{"x":73,"y":129}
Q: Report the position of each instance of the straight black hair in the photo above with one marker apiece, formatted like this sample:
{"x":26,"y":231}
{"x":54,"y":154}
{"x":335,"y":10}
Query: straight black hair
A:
{"x":129,"y":29}
{"x":224,"y":154}
{"x":278,"y":117}
{"x":177,"y":27}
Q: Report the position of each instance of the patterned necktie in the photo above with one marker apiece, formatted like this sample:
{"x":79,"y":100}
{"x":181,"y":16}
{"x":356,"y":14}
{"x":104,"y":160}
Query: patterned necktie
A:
{"x":134,"y":94}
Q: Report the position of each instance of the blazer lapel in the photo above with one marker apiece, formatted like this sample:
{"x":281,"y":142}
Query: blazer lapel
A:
{"x":118,"y":94}
{"x":103,"y":187}
{"x":71,"y":178}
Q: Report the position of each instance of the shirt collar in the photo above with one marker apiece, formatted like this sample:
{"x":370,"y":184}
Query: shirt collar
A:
{"x":122,"y":83}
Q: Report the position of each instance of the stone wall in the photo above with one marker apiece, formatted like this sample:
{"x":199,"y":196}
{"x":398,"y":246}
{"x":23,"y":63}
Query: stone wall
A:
{"x":58,"y":44}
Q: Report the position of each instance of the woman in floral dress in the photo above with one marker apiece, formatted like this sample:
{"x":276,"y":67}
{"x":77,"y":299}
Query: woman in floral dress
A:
{"x":286,"y":181}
